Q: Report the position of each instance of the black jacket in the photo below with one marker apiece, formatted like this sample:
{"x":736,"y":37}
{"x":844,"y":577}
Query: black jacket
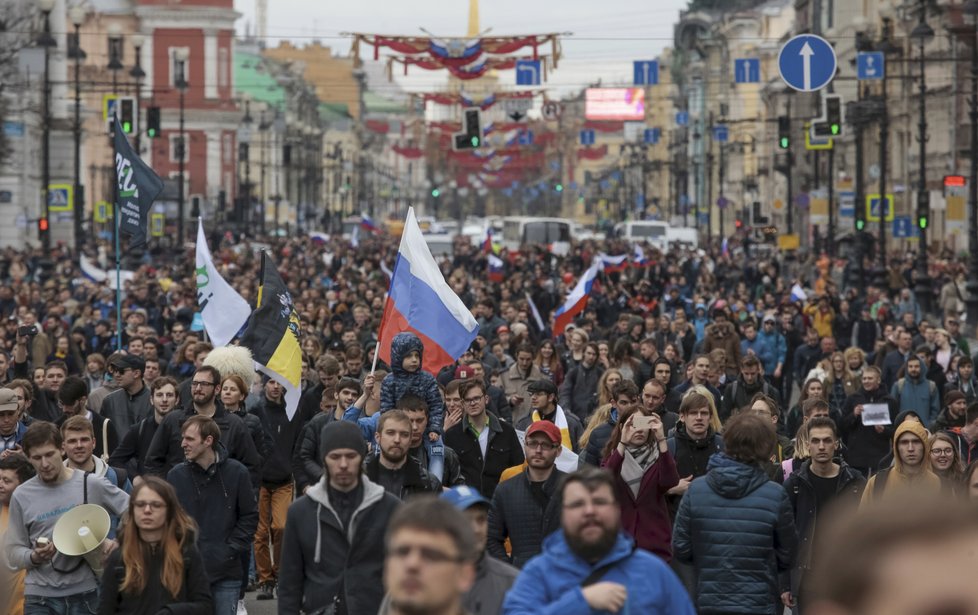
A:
{"x":520,"y":515}
{"x":864,"y":446}
{"x":126,"y":410}
{"x":194,"y":597}
{"x":277,"y":469}
{"x":165,"y":451}
{"x":503,"y":451}
{"x":416,"y":479}
{"x":131,"y":452}
{"x":579,"y":390}
{"x":222,"y":502}
{"x":692,"y":457}
{"x":738,"y":394}
{"x":307,"y":463}
{"x":321,"y":560}
{"x":801,"y":494}
{"x":597,"y":441}
{"x":452,"y":472}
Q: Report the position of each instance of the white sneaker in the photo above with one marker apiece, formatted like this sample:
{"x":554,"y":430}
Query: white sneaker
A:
{"x":242,"y":609}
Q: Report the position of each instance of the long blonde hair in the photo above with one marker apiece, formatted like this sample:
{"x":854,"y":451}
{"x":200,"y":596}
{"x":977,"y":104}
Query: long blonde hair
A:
{"x":602,"y":414}
{"x":604,"y":393}
{"x":180,"y":530}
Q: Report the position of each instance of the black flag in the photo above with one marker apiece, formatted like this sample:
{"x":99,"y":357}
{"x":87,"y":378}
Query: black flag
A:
{"x":139,"y":186}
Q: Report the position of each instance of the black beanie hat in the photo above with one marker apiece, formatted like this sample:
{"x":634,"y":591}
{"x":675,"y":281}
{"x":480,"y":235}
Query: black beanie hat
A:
{"x":341,"y":434}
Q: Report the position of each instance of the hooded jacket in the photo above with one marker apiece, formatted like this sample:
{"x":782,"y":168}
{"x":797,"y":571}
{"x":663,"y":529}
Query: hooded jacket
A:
{"x":801,"y":493}
{"x":920,"y":395}
{"x":421,"y":383}
{"x":221,"y":500}
{"x":897,"y":480}
{"x":737,"y":530}
{"x":724,"y":335}
{"x":321,"y":560}
{"x":550,"y":584}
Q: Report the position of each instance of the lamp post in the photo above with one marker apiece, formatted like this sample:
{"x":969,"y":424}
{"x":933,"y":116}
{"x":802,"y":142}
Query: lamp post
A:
{"x":971,"y":8}
{"x":922,"y":33}
{"x":46,"y":41}
{"x":244,"y":158}
{"x":887,"y":48}
{"x":137,"y":73}
{"x":115,"y":54}
{"x":77,"y":15}
{"x":180,"y":78}
{"x":263,"y":126}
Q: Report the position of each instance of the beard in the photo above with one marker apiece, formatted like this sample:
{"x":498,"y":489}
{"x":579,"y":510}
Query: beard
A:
{"x":592,"y":551}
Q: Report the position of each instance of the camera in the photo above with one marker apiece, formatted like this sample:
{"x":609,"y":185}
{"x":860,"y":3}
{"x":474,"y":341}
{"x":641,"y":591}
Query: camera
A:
{"x":27,"y":331}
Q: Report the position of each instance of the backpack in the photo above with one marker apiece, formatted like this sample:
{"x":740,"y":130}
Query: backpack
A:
{"x":880,"y":483}
{"x":931,"y":387}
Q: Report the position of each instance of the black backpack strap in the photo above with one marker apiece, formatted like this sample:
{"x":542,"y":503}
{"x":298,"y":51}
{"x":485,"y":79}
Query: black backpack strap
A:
{"x":880,"y":483}
{"x":85,"y":488}
{"x":600,"y":571}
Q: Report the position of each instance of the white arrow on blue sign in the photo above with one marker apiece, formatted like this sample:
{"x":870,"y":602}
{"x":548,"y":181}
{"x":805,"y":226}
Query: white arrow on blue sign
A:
{"x":652,"y":135}
{"x":747,"y":70}
{"x":646,"y":72}
{"x":807,"y":63}
{"x":528,"y":72}
{"x":870,"y":65}
{"x":587,"y":137}
{"x":682,"y":118}
{"x":721,"y":133}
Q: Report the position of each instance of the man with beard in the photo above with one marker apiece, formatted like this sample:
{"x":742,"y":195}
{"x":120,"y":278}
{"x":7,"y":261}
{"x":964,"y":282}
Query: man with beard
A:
{"x":400,"y":474}
{"x":952,"y":416}
{"x":751,"y":382}
{"x":524,"y":509}
{"x":130,"y":454}
{"x":543,"y":406}
{"x":591,"y":561}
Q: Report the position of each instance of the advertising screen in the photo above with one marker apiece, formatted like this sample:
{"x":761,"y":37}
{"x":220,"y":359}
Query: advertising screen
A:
{"x":615,"y":104}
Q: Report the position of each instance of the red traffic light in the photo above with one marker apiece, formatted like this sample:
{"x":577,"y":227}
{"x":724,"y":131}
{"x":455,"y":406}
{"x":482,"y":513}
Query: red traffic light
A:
{"x":955,"y":181}
{"x":42,"y":225}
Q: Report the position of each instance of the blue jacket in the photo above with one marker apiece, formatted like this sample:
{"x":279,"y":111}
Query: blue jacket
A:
{"x":773,"y":350}
{"x":421,"y":383}
{"x":736,"y":528}
{"x":550,"y":584}
{"x":919,"y":395}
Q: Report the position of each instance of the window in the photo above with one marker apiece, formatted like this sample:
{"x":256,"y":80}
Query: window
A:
{"x":226,"y":149}
{"x":223,"y":67}
{"x":175,"y":148}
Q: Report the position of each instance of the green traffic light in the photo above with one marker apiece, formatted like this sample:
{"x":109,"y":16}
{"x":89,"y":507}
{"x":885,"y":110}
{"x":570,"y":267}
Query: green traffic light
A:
{"x":559,"y":187}
{"x":922,"y":222}
{"x":435,"y":193}
{"x":126,"y":127}
{"x":834,"y":128}
{"x":784,"y":142}
{"x":151,"y":133}
{"x":475,"y":141}
{"x":860,"y":225}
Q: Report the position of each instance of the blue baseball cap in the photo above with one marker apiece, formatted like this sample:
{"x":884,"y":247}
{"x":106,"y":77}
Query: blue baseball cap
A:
{"x":463,"y":497}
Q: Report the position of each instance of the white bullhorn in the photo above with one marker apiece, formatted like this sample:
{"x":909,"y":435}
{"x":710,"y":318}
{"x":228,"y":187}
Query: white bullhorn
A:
{"x":81,"y":532}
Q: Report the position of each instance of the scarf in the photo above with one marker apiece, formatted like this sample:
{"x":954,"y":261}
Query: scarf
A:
{"x":560,"y":420}
{"x":638,"y":459}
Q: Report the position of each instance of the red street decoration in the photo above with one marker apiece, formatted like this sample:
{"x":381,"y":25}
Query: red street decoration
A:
{"x":463,"y":71}
{"x":604,"y":126}
{"x":440,"y":98}
{"x":378,"y":126}
{"x":592,"y":153}
{"x":412,"y":153}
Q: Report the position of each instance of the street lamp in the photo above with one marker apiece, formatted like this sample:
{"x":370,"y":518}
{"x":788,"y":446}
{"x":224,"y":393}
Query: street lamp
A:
{"x":244,"y":158}
{"x":922,"y":33}
{"x":77,"y":14}
{"x":115,"y":54}
{"x":46,"y":41}
{"x":137,"y":73}
{"x":886,"y":47}
{"x":263,"y":126}
{"x":971,"y":8}
{"x":180,"y":80}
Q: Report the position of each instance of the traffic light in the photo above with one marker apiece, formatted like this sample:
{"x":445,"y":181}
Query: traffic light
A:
{"x":42,"y":227}
{"x":559,"y":187}
{"x":784,"y":132}
{"x":471,"y":135}
{"x":922,"y":222}
{"x":833,"y":114}
{"x":127,"y":115}
{"x":860,"y":224}
{"x":153,"y":122}
{"x":435,"y":192}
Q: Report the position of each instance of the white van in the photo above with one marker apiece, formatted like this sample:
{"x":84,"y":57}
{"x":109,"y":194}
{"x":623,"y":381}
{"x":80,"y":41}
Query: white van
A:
{"x":686,"y":237}
{"x":527,"y":230}
{"x":637,"y":231}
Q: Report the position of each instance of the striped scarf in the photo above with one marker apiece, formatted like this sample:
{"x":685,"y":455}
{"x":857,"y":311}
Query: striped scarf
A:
{"x":638,"y":459}
{"x":560,"y":420}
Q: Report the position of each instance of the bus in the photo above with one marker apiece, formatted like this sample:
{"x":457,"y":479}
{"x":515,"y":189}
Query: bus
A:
{"x":522,"y":230}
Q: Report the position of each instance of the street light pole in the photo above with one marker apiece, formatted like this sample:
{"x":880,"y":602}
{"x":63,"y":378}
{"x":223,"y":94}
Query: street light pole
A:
{"x":137,"y":73}
{"x":179,"y":70}
{"x":47,"y":41}
{"x":972,"y":286}
{"x":887,"y":48}
{"x":77,"y":16}
{"x":922,"y":33}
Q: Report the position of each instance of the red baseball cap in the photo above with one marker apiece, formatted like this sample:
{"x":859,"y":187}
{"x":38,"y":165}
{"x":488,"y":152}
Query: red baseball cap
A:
{"x":547,"y":428}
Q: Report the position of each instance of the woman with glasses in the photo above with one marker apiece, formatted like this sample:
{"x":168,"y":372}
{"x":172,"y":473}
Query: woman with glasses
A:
{"x":644,"y":470}
{"x":157,"y":567}
{"x":946,"y":463}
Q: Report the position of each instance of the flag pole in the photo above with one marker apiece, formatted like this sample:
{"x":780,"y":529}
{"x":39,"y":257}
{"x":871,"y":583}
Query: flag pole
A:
{"x":383,"y":321}
{"x":118,"y":256}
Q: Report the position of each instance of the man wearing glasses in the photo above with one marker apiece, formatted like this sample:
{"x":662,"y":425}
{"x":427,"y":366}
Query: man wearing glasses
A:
{"x":131,"y":402}
{"x":524,"y":508}
{"x":165,"y":451}
{"x":485,"y":445}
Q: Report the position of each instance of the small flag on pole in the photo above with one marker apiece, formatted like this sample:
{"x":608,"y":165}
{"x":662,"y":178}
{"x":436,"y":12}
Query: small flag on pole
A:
{"x":496,"y":268}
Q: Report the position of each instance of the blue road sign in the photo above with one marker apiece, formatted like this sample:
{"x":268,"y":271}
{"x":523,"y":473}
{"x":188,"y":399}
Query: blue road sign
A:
{"x":646,"y":72}
{"x":721,"y":134}
{"x":587,"y":137}
{"x":525,"y":137}
{"x":747,"y":70}
{"x":703,"y":218}
{"x":528,"y":72}
{"x":870,"y":65}
{"x":807,"y":63}
{"x":652,"y":135}
{"x":682,"y":118}
{"x":903,"y":228}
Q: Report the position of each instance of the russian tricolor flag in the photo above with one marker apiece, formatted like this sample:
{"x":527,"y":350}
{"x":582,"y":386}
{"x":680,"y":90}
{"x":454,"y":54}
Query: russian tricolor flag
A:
{"x":496,"y":267}
{"x":420,"y":301}
{"x":577,"y":299}
{"x":487,"y":242}
{"x":612,"y":264}
{"x":638,"y":259}
{"x":367,"y":223}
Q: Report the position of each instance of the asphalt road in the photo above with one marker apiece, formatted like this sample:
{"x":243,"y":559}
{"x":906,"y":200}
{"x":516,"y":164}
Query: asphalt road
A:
{"x":260,"y":607}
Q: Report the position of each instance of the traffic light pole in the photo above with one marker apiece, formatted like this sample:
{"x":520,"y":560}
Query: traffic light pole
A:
{"x":789,"y":205}
{"x":923,"y":283}
{"x":885,"y":205}
{"x":830,"y":240}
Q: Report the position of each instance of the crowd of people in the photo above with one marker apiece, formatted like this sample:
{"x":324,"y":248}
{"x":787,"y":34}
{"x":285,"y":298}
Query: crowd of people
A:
{"x":677,"y":448}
